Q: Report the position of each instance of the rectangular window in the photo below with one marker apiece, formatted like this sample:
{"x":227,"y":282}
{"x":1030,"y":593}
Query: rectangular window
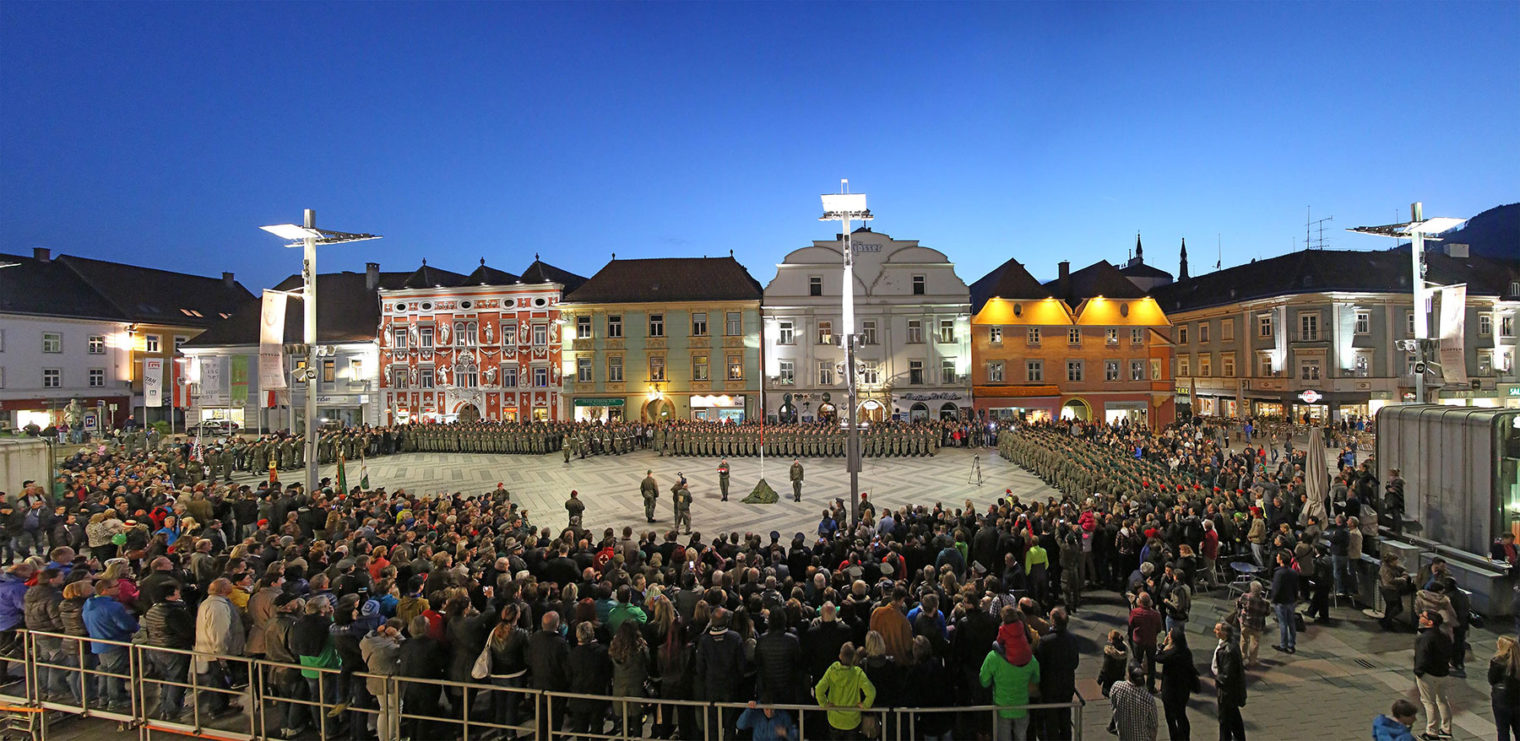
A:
{"x":870,"y":373}
{"x":1182,"y":334}
{"x":615,"y":369}
{"x":583,"y":327}
{"x":2,"y":377}
{"x":329,"y":371}
{"x":736,"y":367}
{"x":424,"y":337}
{"x":52,"y":378}
{"x":1409,"y":324}
{"x":915,"y":331}
{"x":788,"y":374}
{"x":1263,"y":325}
{"x":1203,"y":333}
{"x":1034,"y":371}
{"x":700,"y":368}
{"x":97,"y":344}
{"x":179,"y":341}
{"x":398,"y":338}
{"x":1264,"y":365}
{"x":425,"y":378}
{"x":868,"y":332}
{"x":97,"y":378}
{"x":1032,"y":337}
{"x":1363,"y":322}
{"x":1074,"y":370}
{"x":52,"y":342}
{"x":540,"y":377}
{"x":1137,"y":337}
{"x":1506,"y":329}
{"x":1110,"y":370}
{"x":2,"y":340}
{"x":1362,"y":365}
{"x":947,"y":375}
{"x":947,"y":331}
{"x":400,"y":378}
{"x":825,"y":333}
{"x":656,"y":367}
{"x":995,"y":335}
{"x":540,"y":335}
{"x":915,"y":372}
{"x":1205,"y":365}
{"x":615,"y":325}
{"x":1227,"y":330}
{"x":509,"y":376}
{"x":656,"y":325}
{"x":815,"y":285}
{"x":1137,"y":370}
{"x":699,"y":324}
{"x":1111,"y":337}
{"x":1485,"y":325}
{"x":1308,"y":327}
{"x":153,"y":343}
{"x":583,"y":370}
{"x":995,"y":372}
{"x":509,"y":333}
{"x":1227,"y":366}
{"x":919,"y":285}
{"x":355,"y":371}
{"x":785,"y":333}
{"x":1155,"y":370}
{"x":1074,"y":337}
{"x":1309,"y":369}
{"x":1184,"y":366}
{"x":825,"y":373}
{"x":733,"y":324}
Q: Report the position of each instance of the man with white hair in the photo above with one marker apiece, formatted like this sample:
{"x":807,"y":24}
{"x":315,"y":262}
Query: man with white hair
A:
{"x":218,"y":631}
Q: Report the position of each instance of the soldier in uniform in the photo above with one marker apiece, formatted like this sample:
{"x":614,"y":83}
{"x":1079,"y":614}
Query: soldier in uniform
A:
{"x":575,"y":508}
{"x":682,"y":499}
{"x":723,"y":478}
{"x":796,"y":480}
{"x":650,"y":491}
{"x":565,"y":449}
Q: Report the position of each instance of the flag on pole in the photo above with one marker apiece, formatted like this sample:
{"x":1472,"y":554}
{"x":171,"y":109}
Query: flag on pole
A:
{"x":342,"y":476}
{"x":363,"y":472}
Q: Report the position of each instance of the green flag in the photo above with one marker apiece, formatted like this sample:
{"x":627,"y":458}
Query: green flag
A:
{"x":342,"y":476}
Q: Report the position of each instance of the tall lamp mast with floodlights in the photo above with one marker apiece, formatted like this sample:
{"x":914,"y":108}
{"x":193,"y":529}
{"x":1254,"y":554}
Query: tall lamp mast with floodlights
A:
{"x":307,"y":236}
{"x":1416,"y":230}
{"x":845,"y":207}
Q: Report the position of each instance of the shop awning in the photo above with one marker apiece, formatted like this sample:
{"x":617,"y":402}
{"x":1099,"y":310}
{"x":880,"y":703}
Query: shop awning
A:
{"x":598,"y":402}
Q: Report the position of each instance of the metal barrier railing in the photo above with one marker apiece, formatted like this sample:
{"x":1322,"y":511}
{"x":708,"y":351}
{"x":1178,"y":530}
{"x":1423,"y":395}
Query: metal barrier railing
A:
{"x":167,"y":691}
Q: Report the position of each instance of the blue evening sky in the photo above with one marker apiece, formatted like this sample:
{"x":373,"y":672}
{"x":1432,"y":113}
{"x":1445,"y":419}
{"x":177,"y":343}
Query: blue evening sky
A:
{"x":165,"y":133}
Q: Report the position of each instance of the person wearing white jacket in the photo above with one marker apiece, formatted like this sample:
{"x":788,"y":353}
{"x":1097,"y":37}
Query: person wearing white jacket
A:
{"x":382,"y":656}
{"x":218,"y":632}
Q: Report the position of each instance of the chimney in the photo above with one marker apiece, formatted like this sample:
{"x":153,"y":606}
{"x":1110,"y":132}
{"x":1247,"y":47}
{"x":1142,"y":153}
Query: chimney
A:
{"x":228,"y":279}
{"x":42,"y":254}
{"x":371,"y":276}
{"x":1063,"y":279}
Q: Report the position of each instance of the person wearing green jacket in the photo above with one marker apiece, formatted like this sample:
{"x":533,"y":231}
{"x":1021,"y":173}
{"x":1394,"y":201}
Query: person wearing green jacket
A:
{"x":1011,"y":686}
{"x":844,"y":690}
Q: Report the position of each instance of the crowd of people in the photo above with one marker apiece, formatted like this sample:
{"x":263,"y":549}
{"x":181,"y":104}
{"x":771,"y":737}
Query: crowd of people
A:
{"x":917,"y":607}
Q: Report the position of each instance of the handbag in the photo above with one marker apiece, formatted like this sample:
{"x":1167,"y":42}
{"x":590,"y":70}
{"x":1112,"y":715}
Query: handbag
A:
{"x":482,"y":666}
{"x":870,"y":727}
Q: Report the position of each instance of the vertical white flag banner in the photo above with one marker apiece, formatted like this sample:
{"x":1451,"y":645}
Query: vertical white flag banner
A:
{"x":153,"y":382}
{"x":1453,"y":355}
{"x":271,"y":342}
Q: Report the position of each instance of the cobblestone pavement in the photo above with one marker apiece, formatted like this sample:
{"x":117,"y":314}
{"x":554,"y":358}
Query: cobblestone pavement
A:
{"x":1342,"y":676}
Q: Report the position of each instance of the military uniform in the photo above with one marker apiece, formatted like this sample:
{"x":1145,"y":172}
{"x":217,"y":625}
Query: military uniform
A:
{"x":682,"y":499}
{"x":723,"y":479}
{"x":650,"y":491}
{"x":796,"y":474}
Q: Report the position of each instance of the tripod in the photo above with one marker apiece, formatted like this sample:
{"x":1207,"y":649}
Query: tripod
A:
{"x":975,"y":477}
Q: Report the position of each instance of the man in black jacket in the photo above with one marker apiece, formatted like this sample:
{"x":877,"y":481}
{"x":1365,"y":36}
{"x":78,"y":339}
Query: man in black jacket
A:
{"x":549,"y":666}
{"x":1058,"y":655}
{"x":778,"y":660}
{"x":1284,"y":598}
{"x":170,"y":624}
{"x":1229,"y":682}
{"x":1432,"y":657}
{"x":421,"y":657}
{"x":719,"y":666}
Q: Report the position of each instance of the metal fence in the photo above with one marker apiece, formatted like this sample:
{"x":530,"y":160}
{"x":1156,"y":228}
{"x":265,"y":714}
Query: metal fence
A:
{"x":159,"y":692}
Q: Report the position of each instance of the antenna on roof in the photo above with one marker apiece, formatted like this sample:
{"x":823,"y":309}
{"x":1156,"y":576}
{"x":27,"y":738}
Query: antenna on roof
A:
{"x":1310,"y":222}
{"x":1219,"y":250}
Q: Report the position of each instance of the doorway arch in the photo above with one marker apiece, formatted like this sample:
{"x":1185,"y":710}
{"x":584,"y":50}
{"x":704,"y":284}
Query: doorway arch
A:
{"x":871,"y":411}
{"x":468,"y":412}
{"x":919,"y":412}
{"x":1077,"y":409}
{"x":658,"y":410}
{"x":949,"y":410}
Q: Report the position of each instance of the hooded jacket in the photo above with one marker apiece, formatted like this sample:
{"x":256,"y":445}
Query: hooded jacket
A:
{"x":41,"y":607}
{"x":382,"y":656}
{"x":1385,"y":728}
{"x":841,"y":690}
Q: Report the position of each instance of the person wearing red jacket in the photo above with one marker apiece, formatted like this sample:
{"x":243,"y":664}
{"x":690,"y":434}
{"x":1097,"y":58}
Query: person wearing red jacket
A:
{"x":1210,"y":553}
{"x":1144,"y":625}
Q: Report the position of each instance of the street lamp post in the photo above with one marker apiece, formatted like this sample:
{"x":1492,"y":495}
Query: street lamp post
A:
{"x":845,"y":207}
{"x":307,"y":236}
{"x":1416,"y":230}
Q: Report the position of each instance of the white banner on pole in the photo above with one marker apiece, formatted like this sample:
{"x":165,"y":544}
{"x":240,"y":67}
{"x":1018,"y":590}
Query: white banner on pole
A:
{"x":1453,"y":355}
{"x":153,"y":382}
{"x":214,"y":391}
{"x":271,"y":342}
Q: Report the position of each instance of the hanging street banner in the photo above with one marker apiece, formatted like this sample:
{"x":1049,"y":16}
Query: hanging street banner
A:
{"x":271,"y":342}
{"x":238,"y":381}
{"x":153,"y":382}
{"x":1453,"y":356}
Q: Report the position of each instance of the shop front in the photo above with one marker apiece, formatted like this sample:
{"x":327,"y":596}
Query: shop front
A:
{"x":924,"y":406}
{"x":1031,"y":403}
{"x":718,"y":407}
{"x":98,"y":412}
{"x":1133,"y":412}
{"x":345,"y":409}
{"x":787,"y":407}
{"x":598,"y":409}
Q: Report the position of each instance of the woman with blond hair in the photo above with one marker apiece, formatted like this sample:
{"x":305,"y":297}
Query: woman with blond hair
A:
{"x":1504,"y":679}
{"x":126,"y":584}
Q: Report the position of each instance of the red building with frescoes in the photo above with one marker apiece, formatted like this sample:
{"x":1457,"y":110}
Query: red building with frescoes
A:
{"x":479,"y":346}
